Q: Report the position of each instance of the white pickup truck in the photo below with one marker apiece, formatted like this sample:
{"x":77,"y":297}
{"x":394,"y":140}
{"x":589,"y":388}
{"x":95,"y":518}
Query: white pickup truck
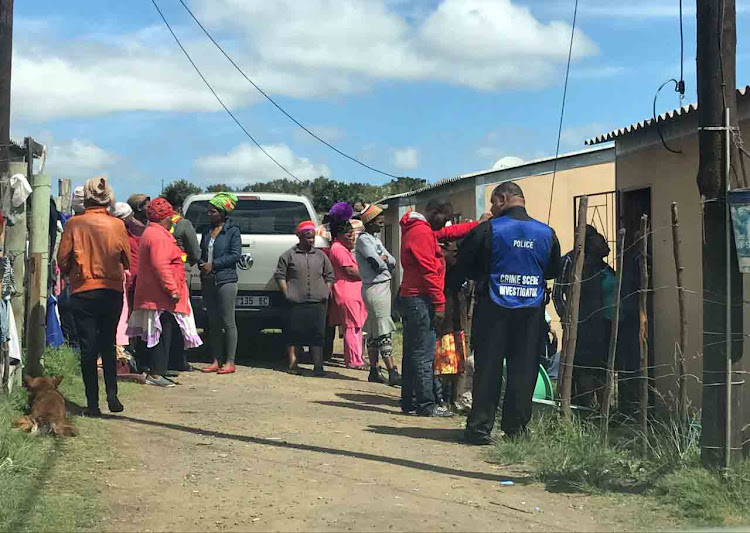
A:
{"x":267,"y":222}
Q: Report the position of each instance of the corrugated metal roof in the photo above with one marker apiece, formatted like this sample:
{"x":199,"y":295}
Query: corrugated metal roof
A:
{"x":447,"y":181}
{"x":669,"y":115}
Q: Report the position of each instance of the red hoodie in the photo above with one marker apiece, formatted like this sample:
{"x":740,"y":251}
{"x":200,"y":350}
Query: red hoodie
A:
{"x":422,"y":261}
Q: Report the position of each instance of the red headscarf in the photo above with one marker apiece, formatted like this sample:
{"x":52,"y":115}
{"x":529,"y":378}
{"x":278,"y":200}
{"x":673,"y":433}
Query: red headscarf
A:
{"x":159,"y":209}
{"x":304,"y":227}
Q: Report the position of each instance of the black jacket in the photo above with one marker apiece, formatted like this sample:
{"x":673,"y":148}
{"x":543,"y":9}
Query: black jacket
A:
{"x":227,"y":252}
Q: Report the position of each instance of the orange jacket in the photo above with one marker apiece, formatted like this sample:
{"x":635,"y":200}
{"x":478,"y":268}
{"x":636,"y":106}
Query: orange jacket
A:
{"x":94,"y":251}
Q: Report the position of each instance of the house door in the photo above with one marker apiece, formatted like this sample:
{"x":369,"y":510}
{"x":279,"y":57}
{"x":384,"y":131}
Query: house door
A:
{"x":634,"y":204}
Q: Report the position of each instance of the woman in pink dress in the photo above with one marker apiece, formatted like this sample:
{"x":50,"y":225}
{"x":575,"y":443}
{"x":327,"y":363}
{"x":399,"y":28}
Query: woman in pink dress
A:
{"x":349,"y":311}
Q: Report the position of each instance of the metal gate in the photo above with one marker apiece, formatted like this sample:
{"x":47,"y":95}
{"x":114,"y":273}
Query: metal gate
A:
{"x":603,"y":214}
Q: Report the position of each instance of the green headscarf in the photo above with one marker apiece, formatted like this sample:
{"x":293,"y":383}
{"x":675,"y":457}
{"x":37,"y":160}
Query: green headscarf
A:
{"x":224,"y":202}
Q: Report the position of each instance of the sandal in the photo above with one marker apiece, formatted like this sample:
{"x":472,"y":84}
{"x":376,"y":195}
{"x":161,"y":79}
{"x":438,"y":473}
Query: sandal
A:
{"x":213,"y":368}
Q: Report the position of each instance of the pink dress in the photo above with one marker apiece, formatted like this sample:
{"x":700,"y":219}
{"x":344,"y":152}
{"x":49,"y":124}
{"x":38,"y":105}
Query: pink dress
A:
{"x":349,"y":309}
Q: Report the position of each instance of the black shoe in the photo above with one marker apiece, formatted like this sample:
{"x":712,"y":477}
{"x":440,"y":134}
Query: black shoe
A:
{"x":394,"y":378}
{"x":319,"y":372}
{"x":473,"y":439}
{"x":114,"y":405}
{"x":172,"y":374}
{"x":436,"y":412}
{"x":92,"y":412}
{"x":375,"y":376}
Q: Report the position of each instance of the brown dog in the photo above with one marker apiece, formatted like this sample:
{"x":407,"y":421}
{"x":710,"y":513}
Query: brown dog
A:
{"x":47,"y":408}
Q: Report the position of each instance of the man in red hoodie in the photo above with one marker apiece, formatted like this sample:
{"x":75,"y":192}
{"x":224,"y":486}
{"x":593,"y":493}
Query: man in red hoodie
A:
{"x":422,"y":302}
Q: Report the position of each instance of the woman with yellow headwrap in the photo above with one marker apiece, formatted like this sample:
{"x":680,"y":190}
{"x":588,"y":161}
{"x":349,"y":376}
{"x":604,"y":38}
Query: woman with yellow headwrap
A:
{"x":221,"y":248}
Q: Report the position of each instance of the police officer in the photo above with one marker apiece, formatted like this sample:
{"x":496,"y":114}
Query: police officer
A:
{"x":510,"y":257}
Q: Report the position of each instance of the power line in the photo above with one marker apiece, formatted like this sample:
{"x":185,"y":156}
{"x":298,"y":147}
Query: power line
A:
{"x":562,"y":109}
{"x":656,"y":120}
{"x":679,"y":86}
{"x":218,"y":98}
{"x":290,"y":117}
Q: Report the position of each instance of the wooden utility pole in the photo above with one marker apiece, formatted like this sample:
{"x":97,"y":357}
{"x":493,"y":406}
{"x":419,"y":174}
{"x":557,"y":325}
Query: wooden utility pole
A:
{"x":6,"y":52}
{"x":716,"y":75}
{"x":610,"y":385}
{"x":680,"y":269}
{"x":570,"y":334}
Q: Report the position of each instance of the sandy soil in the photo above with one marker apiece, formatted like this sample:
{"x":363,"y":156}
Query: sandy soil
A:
{"x":262,"y":450}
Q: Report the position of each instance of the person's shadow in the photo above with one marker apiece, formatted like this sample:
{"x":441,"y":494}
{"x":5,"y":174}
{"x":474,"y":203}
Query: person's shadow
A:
{"x":438,"y":434}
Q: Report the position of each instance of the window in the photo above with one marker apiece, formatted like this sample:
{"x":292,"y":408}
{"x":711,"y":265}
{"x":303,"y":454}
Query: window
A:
{"x":254,"y":217}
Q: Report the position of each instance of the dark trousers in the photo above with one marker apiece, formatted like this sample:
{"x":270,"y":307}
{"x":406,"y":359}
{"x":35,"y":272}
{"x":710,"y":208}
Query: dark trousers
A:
{"x":96,"y":314}
{"x":417,"y":383}
{"x":170,"y":345}
{"x":510,"y":335}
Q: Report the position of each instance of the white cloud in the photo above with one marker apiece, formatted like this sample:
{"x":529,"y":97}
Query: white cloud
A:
{"x":406,"y":158}
{"x":246,"y":164}
{"x":645,"y":9}
{"x":78,"y":159}
{"x":310,"y":49}
{"x":133,"y":73}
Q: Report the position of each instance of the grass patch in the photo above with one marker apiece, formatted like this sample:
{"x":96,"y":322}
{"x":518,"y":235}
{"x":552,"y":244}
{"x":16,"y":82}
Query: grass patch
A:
{"x":46,"y":482}
{"x":569,"y":456}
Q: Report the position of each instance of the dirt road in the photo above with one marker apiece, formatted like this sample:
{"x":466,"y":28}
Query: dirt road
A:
{"x":262,"y":450}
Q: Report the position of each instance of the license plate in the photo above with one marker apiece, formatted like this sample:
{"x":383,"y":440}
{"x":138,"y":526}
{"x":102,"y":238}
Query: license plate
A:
{"x":253,"y":301}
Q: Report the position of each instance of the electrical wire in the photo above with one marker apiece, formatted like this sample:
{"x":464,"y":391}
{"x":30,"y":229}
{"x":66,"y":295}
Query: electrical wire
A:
{"x":562,"y":109}
{"x":656,"y":120}
{"x":218,"y":98}
{"x":290,"y":117}
{"x":680,"y":88}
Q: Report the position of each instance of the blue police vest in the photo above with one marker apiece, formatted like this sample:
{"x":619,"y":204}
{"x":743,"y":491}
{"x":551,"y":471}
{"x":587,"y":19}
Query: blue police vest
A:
{"x":520,"y":254}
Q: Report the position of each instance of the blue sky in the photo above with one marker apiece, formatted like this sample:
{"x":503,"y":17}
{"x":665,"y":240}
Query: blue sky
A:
{"x":426,"y":88}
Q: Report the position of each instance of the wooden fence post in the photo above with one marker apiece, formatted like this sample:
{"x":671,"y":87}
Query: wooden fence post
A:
{"x":38,"y":264}
{"x":643,"y":336}
{"x":682,"y":401}
{"x":65,"y":195}
{"x":571,"y":326}
{"x":610,"y":384}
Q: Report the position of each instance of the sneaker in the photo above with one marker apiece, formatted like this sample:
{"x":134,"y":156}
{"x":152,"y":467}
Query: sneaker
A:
{"x":394,"y":378}
{"x":437,"y":412}
{"x":114,"y":405}
{"x":159,"y":381}
{"x":375,"y":376}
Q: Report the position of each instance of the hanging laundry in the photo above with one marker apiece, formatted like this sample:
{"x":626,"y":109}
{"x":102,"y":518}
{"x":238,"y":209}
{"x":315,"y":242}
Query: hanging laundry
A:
{"x":14,"y":344}
{"x":21,"y":189}
{"x":7,"y":279}
{"x":54,"y":330}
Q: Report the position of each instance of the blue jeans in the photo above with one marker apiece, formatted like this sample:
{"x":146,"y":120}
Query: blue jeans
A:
{"x":419,"y":354}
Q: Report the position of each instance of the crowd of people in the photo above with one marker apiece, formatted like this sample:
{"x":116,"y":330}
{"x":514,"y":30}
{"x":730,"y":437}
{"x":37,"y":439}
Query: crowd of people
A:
{"x":471,"y":299}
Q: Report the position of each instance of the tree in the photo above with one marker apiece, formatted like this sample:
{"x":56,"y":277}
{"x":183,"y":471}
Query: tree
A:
{"x":178,"y":190}
{"x":220,"y":187}
{"x":404,"y":184}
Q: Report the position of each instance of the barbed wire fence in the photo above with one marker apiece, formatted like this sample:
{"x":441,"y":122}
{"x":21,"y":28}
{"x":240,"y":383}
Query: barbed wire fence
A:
{"x":612,"y":374}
